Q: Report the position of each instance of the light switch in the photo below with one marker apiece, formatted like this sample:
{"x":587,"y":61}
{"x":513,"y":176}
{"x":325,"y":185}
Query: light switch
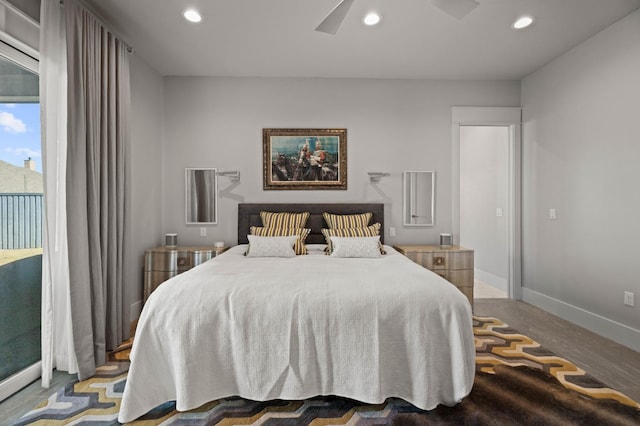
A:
{"x":203,"y":232}
{"x":552,"y":214}
{"x":392,"y":231}
{"x":499,"y":212}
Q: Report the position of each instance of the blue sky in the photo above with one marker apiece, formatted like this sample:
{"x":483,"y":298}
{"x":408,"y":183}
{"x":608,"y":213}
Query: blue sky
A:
{"x":20,"y":134}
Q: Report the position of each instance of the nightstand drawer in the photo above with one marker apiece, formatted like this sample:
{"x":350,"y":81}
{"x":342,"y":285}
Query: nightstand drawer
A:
{"x":452,"y":260}
{"x":162,"y":263}
{"x":421,"y":258}
{"x":459,"y":277}
{"x":442,"y":259}
{"x":152,"y":279}
{"x":455,"y":264}
{"x":175,"y":260}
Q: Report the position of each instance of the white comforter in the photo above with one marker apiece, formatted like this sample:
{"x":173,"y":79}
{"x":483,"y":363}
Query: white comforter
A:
{"x":267,"y":328}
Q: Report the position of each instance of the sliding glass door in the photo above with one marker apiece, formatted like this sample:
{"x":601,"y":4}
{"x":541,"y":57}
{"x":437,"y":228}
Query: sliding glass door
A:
{"x":21,"y":216}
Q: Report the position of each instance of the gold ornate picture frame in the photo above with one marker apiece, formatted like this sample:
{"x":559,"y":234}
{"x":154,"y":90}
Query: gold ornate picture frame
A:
{"x":304,"y":158}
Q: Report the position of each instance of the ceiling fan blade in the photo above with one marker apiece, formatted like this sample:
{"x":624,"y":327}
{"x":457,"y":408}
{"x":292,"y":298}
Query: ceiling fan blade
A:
{"x":334,"y":19}
{"x":456,"y":8}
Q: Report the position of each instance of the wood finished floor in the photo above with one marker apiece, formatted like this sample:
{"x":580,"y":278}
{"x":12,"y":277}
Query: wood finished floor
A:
{"x":11,"y":409}
{"x":615,"y":365}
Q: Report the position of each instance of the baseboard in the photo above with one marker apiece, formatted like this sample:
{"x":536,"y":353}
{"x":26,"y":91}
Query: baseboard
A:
{"x":491,"y":279}
{"x":605,"y":327}
{"x":13,"y":384}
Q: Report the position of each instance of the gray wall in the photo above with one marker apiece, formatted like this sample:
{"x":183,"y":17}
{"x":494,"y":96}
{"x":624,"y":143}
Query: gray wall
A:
{"x":145,"y":213}
{"x":30,"y":7}
{"x":581,"y":155}
{"x":484,"y":184}
{"x":393,"y":125}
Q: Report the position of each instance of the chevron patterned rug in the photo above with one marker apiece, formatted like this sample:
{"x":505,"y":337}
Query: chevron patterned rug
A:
{"x":517,"y":382}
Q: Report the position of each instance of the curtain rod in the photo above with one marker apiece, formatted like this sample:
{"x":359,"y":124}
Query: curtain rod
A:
{"x":103,"y":21}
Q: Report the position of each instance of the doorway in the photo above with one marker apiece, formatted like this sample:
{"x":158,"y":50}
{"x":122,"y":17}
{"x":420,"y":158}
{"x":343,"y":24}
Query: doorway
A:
{"x":486,"y":192}
{"x":484,"y":183}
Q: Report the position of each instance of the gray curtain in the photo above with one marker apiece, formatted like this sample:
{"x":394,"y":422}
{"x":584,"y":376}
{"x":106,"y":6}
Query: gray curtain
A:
{"x":98,"y":133}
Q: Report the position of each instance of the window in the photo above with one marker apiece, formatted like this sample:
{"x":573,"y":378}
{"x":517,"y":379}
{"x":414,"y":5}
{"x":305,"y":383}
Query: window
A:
{"x":21,"y":193}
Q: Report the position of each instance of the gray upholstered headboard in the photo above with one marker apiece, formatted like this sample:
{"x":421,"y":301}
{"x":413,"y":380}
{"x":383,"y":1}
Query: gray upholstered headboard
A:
{"x":249,"y":215}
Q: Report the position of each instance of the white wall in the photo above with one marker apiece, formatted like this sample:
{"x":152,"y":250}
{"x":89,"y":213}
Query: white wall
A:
{"x":145,"y":213}
{"x":484,"y":186}
{"x":393,"y":125}
{"x":581,"y":156}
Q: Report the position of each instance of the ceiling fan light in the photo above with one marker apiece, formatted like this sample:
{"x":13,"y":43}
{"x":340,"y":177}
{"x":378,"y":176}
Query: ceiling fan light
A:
{"x":522,"y":22}
{"x":192,"y":15}
{"x":371,"y":19}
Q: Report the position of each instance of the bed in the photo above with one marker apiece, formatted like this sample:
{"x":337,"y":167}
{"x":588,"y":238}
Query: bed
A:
{"x":266,"y":328}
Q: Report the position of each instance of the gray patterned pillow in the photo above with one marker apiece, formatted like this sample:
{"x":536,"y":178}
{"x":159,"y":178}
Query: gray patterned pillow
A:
{"x":271,"y":246}
{"x":355,"y":246}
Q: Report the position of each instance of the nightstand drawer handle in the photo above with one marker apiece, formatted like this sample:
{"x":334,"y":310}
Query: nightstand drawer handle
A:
{"x":438,"y":260}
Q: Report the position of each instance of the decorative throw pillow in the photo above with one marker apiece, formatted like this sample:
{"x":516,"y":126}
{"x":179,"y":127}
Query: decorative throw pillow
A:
{"x":355,"y":246}
{"x":271,"y":246}
{"x":300,"y":233}
{"x":367,"y":231}
{"x":341,"y":221}
{"x":284,"y":219}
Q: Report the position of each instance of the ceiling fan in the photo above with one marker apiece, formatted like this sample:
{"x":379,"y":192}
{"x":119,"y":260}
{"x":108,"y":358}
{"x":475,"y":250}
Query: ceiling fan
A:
{"x":456,"y":8}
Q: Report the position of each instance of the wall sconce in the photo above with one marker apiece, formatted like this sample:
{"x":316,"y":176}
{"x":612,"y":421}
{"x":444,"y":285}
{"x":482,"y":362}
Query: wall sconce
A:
{"x":376,"y":176}
{"x":234,"y":175}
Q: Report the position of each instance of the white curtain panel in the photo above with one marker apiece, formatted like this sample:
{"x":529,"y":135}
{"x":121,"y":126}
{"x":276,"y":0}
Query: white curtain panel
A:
{"x":57,"y":336}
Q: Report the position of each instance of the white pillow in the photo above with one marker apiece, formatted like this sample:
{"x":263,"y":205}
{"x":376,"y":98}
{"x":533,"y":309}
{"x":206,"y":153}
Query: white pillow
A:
{"x":271,"y":246}
{"x":355,"y":246}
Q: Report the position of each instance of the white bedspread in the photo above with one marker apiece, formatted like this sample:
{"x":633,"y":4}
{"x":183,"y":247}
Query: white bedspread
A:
{"x":293,"y":328}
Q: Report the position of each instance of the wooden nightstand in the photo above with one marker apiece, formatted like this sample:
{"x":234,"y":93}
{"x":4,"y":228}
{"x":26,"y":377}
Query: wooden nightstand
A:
{"x":162,"y":263}
{"x":454,"y":263}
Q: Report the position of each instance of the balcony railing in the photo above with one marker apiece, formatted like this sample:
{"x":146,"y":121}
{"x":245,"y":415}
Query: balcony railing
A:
{"x":20,"y":221}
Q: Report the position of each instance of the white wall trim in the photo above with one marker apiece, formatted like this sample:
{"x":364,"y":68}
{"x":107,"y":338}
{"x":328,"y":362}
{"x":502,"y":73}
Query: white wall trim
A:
{"x":19,"y":30}
{"x":605,"y":327}
{"x":17,"y":55}
{"x":22,"y":378}
{"x":491,"y":279}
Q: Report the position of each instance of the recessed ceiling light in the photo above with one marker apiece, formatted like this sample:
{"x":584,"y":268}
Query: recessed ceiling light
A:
{"x":522,"y":22}
{"x":371,"y":18}
{"x":192,"y":15}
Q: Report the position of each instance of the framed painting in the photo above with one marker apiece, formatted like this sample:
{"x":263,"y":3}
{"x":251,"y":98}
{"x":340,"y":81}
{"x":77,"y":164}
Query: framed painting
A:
{"x":304,"y":158}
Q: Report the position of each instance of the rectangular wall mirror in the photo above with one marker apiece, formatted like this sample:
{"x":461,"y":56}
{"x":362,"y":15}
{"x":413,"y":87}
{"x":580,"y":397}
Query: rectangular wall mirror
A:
{"x":201,"y":187}
{"x":418,"y":189}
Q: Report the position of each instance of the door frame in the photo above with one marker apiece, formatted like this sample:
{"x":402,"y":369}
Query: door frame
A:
{"x":22,"y":378}
{"x":510,"y":117}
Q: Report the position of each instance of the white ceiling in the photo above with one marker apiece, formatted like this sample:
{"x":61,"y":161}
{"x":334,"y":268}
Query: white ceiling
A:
{"x":276,"y":38}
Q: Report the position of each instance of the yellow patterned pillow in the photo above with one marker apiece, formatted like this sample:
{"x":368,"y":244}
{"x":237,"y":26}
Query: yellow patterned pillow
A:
{"x":365,"y":231}
{"x":301,"y":233}
{"x":284,"y":219}
{"x":341,"y":221}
